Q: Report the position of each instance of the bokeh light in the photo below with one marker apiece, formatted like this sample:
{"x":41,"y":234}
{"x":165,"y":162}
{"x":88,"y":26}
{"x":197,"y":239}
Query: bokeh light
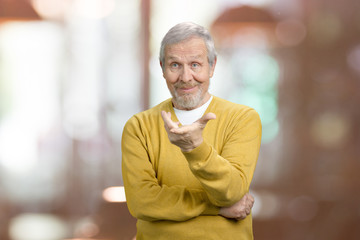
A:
{"x":330,"y":129}
{"x":34,"y":226}
{"x":114,"y":194}
{"x":325,"y":28}
{"x":86,"y":228}
{"x":52,"y":9}
{"x":257,"y":74}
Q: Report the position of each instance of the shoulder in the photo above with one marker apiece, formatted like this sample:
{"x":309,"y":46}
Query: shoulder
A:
{"x":237,"y":117}
{"x":225,"y":107}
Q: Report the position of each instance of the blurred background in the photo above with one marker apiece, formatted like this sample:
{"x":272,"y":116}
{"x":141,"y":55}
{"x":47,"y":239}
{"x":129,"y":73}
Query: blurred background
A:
{"x":73,"y":71}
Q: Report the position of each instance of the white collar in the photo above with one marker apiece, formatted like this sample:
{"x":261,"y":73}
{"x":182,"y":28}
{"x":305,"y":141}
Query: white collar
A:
{"x":187,"y":117}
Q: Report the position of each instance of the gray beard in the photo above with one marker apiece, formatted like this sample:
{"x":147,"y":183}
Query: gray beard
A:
{"x":188,"y":101}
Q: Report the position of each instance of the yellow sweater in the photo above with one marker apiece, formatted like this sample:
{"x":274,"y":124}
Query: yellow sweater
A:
{"x":176,"y":195}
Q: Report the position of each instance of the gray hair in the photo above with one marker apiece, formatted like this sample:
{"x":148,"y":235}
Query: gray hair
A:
{"x":184,"y":31}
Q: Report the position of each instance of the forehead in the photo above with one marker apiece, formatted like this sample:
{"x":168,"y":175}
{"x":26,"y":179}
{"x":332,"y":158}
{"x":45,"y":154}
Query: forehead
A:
{"x":193,"y":47}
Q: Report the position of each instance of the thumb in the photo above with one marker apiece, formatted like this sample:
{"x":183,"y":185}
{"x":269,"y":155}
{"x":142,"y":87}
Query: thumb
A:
{"x":207,"y":117}
{"x":166,"y":116}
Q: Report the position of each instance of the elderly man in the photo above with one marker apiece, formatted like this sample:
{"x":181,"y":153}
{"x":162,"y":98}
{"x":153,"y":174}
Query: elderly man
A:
{"x":188,"y":162}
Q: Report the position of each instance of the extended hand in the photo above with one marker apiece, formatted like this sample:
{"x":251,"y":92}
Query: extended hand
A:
{"x":186,"y":137}
{"x":240,"y":209}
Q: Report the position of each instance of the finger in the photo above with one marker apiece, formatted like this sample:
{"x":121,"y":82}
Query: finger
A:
{"x":183,"y":129}
{"x":241,"y":217}
{"x":252,"y":199}
{"x":166,"y":116}
{"x":165,"y":119}
{"x":204,"y":119}
{"x":252,"y":204}
{"x":250,"y":196}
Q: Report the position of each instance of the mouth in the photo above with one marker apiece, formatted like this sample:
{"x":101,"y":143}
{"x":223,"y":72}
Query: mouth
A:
{"x":186,"y":89}
{"x":182,"y":88}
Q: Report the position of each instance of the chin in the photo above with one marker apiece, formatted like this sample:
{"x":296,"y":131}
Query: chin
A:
{"x":188,"y":102}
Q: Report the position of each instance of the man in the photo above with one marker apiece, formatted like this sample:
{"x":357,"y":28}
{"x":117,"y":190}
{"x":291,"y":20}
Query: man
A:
{"x":188,"y":162}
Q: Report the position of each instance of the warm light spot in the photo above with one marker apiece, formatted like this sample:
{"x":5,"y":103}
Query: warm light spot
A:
{"x":86,"y":228}
{"x":330,"y":129}
{"x":114,"y":194}
{"x":58,"y":10}
{"x":325,"y":28}
{"x":51,"y":9}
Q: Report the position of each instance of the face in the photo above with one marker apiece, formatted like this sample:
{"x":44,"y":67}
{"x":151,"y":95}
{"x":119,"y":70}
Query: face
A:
{"x":187,"y":73}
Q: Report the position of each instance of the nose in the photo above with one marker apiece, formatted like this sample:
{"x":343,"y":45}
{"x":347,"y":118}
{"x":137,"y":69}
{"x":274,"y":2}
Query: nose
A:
{"x":186,"y":74}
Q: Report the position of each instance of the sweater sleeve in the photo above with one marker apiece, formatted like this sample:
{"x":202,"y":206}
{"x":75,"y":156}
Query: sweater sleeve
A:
{"x":226,"y":176}
{"x":146,"y":198}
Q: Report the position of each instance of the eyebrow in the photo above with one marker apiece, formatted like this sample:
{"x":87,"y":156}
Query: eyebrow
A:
{"x":176,"y":58}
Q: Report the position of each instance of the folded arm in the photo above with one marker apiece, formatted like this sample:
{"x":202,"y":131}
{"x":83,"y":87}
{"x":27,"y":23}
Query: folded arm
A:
{"x":146,"y":198}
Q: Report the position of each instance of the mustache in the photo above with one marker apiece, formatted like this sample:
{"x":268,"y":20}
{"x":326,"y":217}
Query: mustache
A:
{"x":186,"y":85}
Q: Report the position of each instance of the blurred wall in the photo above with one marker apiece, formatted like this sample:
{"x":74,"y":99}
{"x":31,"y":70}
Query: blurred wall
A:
{"x":72,"y":72}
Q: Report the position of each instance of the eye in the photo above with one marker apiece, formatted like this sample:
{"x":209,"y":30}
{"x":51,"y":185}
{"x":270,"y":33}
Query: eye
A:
{"x":195,"y":65}
{"x":174,"y":65}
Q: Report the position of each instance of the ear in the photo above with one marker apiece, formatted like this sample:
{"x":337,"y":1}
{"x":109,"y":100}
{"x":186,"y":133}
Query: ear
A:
{"x":162,"y":68}
{"x":212,"y":68}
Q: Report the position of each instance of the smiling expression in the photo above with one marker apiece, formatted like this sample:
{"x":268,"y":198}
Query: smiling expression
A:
{"x":187,"y":73}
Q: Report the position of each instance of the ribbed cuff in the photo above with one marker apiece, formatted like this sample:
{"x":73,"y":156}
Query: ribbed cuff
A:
{"x":198,"y":154}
